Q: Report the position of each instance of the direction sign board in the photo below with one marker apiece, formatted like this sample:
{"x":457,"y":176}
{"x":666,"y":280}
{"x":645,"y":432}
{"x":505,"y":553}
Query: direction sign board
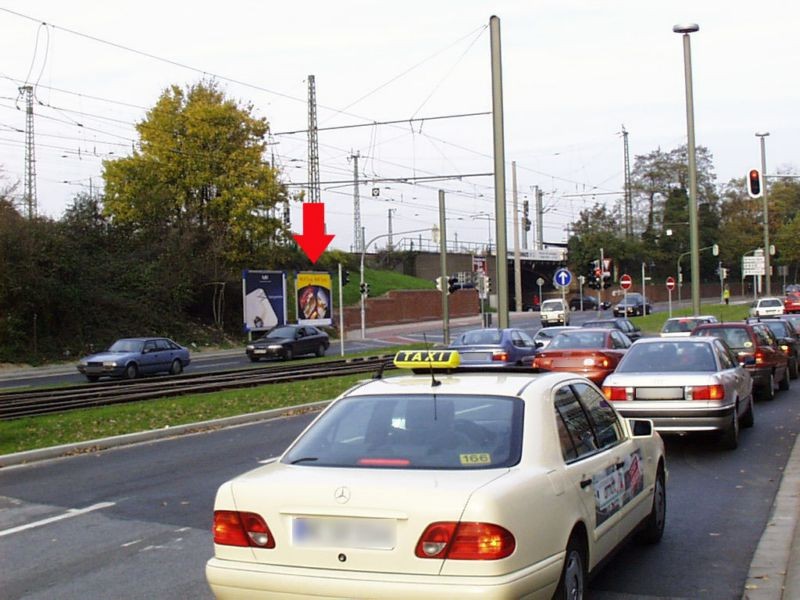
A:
{"x":752,"y":265}
{"x":625,"y":282}
{"x":562,"y":278}
{"x":670,"y":283}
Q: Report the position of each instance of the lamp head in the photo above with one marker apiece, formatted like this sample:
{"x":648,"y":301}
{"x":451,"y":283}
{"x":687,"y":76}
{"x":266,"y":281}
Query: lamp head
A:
{"x":686,"y":28}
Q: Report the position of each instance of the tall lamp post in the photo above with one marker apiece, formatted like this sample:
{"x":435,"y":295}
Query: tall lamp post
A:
{"x":767,"y":275}
{"x":685,"y":30}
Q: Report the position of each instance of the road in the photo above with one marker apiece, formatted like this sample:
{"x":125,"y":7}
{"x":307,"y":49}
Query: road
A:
{"x":145,"y":527}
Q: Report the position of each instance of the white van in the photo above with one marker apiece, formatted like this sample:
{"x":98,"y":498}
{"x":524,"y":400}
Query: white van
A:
{"x":554,"y":312}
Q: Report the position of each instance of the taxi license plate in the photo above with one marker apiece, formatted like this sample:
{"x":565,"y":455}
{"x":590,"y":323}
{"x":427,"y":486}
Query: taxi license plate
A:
{"x":343,"y":532}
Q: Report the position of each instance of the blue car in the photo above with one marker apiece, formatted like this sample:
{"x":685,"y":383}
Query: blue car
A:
{"x":130,"y":357}
{"x":495,"y":347}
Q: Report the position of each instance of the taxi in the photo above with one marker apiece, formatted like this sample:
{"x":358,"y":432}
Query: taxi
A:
{"x":443,"y":483}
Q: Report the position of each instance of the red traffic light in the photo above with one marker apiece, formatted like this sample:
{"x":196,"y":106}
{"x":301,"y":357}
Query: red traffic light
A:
{"x":754,"y":183}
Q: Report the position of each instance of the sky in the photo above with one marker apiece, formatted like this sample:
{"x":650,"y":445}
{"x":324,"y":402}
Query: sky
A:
{"x":575,"y":72}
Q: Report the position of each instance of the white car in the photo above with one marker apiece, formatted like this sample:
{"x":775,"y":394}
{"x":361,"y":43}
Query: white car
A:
{"x":683,"y":326}
{"x":443,"y":485}
{"x":767,"y":307}
{"x":554,"y":312}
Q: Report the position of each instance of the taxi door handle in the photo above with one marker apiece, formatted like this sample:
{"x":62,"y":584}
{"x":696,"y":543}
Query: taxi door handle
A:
{"x":585,"y":483}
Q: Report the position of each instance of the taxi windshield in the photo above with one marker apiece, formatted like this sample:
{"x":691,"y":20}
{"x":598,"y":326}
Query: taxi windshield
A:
{"x":415,"y":431}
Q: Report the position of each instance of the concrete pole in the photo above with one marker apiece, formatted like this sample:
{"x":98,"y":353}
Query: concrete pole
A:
{"x":443,"y":269}
{"x":341,"y":314}
{"x":767,"y":274}
{"x":499,"y":174}
{"x":517,"y":270}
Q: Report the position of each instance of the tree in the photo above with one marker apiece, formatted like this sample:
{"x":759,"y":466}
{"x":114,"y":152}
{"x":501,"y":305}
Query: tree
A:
{"x":199,"y":178}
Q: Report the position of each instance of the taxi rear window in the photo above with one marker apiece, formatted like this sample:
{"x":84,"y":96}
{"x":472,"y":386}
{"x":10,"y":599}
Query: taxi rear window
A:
{"x":416,"y":431}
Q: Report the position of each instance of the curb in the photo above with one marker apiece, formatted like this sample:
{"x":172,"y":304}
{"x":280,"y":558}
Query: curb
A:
{"x":64,"y":450}
{"x":772,"y":573}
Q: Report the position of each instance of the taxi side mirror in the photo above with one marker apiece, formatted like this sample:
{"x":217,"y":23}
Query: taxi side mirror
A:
{"x":641,"y":427}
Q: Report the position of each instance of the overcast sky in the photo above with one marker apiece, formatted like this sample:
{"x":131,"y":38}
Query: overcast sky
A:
{"x":575,"y":72}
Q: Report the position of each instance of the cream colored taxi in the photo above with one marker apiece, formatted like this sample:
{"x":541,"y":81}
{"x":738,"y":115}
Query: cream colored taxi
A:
{"x":443,"y":484}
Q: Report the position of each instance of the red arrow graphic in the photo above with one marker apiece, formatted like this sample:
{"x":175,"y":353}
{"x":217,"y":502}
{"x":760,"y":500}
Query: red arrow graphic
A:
{"x":313,"y":240}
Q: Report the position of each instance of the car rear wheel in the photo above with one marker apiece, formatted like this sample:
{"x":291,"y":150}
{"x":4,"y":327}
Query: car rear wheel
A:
{"x":730,"y":437}
{"x":768,"y":391}
{"x":131,"y":371}
{"x":748,"y":418}
{"x":654,"y":524}
{"x":176,"y":368}
{"x":92,"y":378}
{"x":784,"y":384}
{"x":572,"y":584}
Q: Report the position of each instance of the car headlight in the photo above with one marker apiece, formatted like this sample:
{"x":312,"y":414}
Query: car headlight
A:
{"x":250,"y":347}
{"x":109,"y":364}
{"x":82,"y":363}
{"x":275,"y":347}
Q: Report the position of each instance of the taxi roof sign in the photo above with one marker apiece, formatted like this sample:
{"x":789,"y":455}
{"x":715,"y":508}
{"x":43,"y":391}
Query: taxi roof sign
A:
{"x":427,"y":359}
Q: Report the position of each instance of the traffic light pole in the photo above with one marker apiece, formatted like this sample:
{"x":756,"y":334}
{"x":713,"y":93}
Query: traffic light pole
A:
{"x":341,"y":314}
{"x":443,"y":268}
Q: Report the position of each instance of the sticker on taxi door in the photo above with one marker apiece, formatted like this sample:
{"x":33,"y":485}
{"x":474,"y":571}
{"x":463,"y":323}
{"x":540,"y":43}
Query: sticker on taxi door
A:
{"x":615,"y":487}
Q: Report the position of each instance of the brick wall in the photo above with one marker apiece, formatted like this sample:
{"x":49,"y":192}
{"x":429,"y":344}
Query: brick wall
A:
{"x":410,"y":306}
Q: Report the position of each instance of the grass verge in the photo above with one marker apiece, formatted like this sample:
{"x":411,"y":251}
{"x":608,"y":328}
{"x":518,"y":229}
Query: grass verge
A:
{"x":93,"y":423}
{"x":653,"y":323}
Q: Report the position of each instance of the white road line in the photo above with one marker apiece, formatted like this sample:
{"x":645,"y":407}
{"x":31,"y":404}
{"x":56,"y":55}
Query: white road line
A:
{"x":72,"y":512}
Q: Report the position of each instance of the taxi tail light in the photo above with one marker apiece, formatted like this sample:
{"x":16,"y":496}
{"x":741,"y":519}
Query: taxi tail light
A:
{"x":705,"y":392}
{"x":500,"y":355}
{"x":465,"y":541}
{"x":233,"y":528}
{"x":617,"y":394}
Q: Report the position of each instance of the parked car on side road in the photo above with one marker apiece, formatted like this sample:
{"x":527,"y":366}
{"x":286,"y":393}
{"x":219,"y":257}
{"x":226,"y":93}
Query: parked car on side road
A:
{"x":626,"y":326}
{"x":416,"y":486}
{"x":494,"y":347}
{"x":288,"y":341}
{"x":683,"y":326}
{"x":766,"y":307}
{"x":685,"y":385}
{"x":589,"y":303}
{"x":632,"y":305}
{"x":757,"y":348}
{"x":554,"y":312}
{"x":130,"y":357}
{"x":791,"y":303}
{"x":593,"y":353}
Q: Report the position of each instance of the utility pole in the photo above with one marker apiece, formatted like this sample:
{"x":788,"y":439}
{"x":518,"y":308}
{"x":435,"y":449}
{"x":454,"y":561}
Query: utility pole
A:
{"x":501,"y":269}
{"x":313,"y":144}
{"x":628,"y":194}
{"x":767,"y":268}
{"x":539,"y":219}
{"x":390,"y":243}
{"x":29,"y":185}
{"x":358,"y":232}
{"x":443,"y":268}
{"x":517,"y":270}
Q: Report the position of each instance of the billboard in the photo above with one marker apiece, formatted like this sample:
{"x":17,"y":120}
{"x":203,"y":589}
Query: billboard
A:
{"x":264,"y":296}
{"x":314,"y":296}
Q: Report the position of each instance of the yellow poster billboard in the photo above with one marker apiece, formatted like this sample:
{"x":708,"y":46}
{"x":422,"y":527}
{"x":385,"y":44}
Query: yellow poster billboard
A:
{"x":314,"y":298}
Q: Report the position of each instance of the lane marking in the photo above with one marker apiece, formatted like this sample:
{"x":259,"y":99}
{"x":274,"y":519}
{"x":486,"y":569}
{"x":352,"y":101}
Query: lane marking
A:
{"x":72,"y":512}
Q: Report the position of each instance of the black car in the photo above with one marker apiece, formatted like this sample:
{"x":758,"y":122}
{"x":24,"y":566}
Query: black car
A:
{"x":788,"y":340}
{"x":632,"y":305}
{"x":589,"y":303}
{"x":621,"y":323}
{"x":288,"y":341}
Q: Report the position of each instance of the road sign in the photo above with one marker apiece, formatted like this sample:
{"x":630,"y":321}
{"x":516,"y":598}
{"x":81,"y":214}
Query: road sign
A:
{"x":540,"y":282}
{"x":753,"y":265}
{"x":625,"y":282}
{"x":562,"y":278}
{"x":670,"y":283}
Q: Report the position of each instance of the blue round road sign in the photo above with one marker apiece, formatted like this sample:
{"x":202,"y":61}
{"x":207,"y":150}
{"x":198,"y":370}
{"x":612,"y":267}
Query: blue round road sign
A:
{"x":562,"y":278}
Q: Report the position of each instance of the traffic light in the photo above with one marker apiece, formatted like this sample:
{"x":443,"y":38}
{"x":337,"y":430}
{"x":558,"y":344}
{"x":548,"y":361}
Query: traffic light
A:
{"x":452,"y":285}
{"x":526,"y":222}
{"x":754,"y":187}
{"x":364,"y":289}
{"x":345,"y":276}
{"x":439,"y":283}
{"x":592,"y":279}
{"x":606,"y":280}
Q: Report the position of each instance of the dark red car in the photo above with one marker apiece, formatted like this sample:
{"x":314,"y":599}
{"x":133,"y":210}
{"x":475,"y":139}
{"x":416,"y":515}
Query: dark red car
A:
{"x":758,"y":351}
{"x":591,"y":352}
{"x":791,"y":304}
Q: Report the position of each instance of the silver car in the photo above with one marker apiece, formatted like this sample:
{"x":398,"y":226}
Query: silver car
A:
{"x":684,"y":385}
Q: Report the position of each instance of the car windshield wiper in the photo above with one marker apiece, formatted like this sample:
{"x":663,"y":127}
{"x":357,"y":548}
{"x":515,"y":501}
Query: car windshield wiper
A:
{"x":304,"y":459}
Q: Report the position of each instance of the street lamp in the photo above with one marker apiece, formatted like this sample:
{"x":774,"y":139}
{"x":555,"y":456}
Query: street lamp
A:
{"x":685,"y":30}
{"x":767,"y":274}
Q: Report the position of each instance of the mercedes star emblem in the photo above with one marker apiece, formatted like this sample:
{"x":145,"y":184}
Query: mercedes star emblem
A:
{"x":342,"y":495}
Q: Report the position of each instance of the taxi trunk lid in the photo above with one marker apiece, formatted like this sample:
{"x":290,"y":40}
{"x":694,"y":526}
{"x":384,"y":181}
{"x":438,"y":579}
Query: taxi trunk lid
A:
{"x":354,"y":519}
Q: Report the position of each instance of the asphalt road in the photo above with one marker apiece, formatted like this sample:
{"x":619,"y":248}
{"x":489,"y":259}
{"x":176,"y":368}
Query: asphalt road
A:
{"x":145,"y":529}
